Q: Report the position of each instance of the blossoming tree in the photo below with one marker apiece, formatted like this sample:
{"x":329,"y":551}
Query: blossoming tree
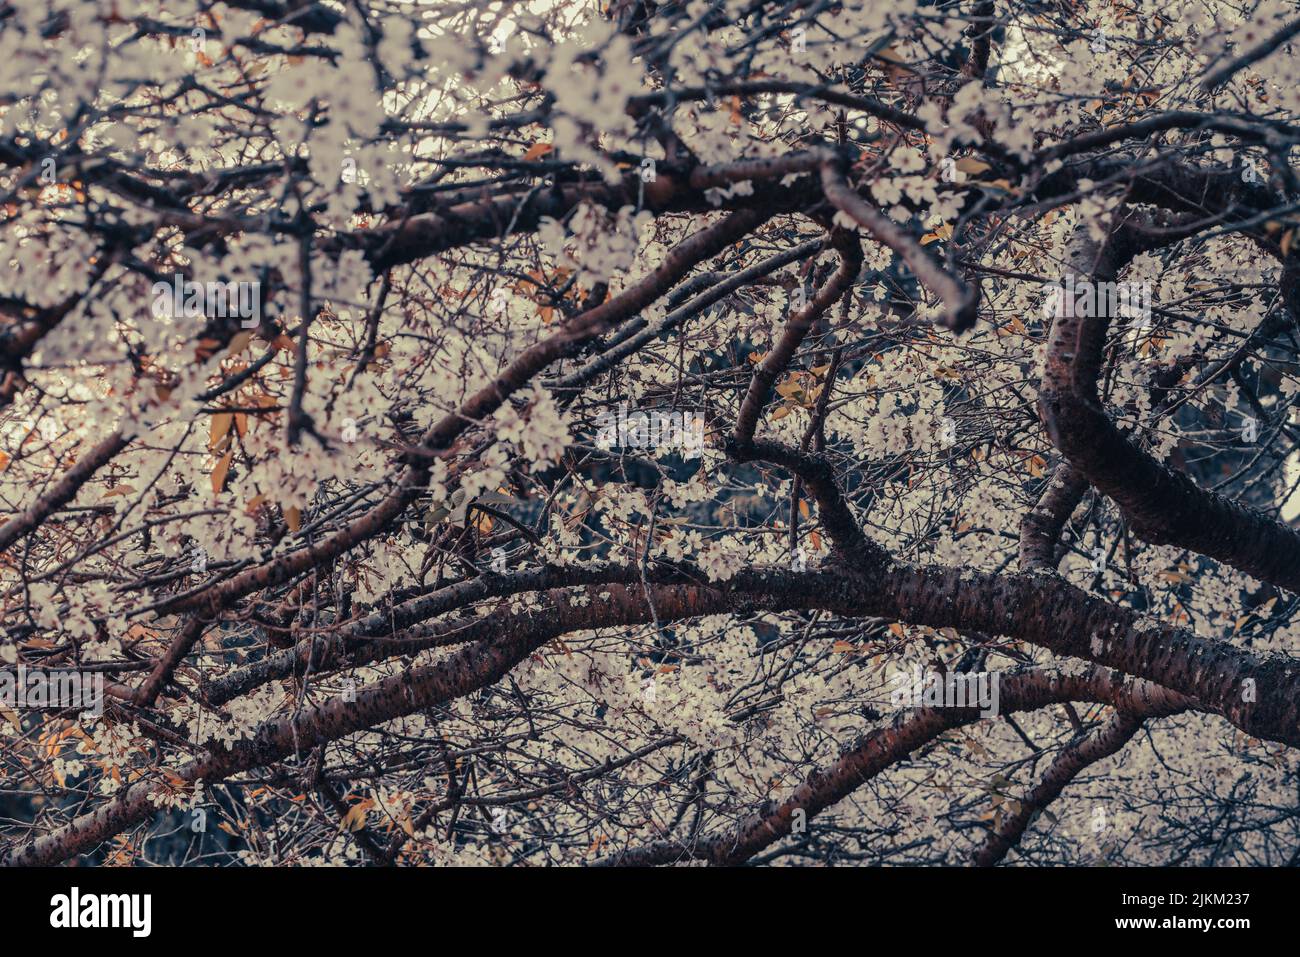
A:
{"x":336,"y":339}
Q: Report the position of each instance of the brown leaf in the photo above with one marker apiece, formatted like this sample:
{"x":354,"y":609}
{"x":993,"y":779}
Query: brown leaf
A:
{"x":219,"y":473}
{"x":217,"y":431}
{"x":355,"y":819}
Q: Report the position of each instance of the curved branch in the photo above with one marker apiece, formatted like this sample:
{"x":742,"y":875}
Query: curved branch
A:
{"x":1162,"y":506}
{"x":405,"y":693}
{"x":1073,"y":760}
{"x":961,"y":300}
{"x":890,"y":744}
{"x":438,"y":439}
{"x":792,"y":335}
{"x":1040,"y":529}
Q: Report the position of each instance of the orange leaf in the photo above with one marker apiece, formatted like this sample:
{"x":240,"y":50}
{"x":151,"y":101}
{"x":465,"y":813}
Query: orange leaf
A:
{"x":220,"y":426}
{"x":219,"y":473}
{"x":355,"y":819}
